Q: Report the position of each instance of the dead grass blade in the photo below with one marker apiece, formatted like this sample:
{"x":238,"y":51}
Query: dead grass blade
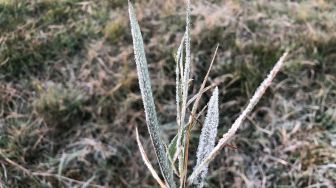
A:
{"x":191,"y":121}
{"x":202,"y":90}
{"x":147,"y":162}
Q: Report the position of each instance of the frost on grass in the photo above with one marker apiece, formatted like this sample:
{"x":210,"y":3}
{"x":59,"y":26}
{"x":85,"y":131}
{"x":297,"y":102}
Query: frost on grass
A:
{"x":147,"y":98}
{"x":179,"y":77}
{"x":185,"y":84}
{"x":186,"y":69}
{"x":208,"y":136}
{"x":235,"y":126}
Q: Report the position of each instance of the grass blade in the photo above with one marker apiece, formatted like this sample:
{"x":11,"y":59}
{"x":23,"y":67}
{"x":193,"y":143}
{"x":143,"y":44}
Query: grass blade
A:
{"x":207,"y":138}
{"x":253,"y":101}
{"x":202,"y":90}
{"x":179,"y":84}
{"x":147,"y":162}
{"x":148,"y":101}
{"x":186,"y":69}
{"x":185,"y":84}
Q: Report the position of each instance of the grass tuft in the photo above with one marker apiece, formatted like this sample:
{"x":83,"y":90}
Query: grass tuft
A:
{"x":60,"y":106}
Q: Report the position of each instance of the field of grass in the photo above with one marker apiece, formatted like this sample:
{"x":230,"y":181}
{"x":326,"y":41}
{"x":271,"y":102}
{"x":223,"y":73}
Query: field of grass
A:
{"x":70,"y":101}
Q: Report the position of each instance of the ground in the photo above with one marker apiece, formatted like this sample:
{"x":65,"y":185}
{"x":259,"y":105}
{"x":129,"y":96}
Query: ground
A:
{"x":70,"y":102}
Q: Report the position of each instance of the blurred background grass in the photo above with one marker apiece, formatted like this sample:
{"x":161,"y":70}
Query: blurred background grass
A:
{"x":69,"y":97}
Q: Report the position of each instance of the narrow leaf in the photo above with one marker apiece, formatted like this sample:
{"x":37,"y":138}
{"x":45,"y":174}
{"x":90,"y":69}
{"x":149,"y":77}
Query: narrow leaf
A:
{"x":207,"y":138}
{"x":235,"y":126}
{"x":179,"y":84}
{"x":147,"y":162}
{"x":172,"y":153}
{"x":185,"y":85}
{"x":148,"y":101}
{"x":172,"y":148}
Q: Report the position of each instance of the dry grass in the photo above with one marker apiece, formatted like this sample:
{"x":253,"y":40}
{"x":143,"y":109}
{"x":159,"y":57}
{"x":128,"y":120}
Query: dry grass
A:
{"x":83,"y":50}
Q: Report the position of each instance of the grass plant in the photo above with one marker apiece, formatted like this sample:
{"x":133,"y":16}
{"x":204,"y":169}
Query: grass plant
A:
{"x":206,"y":148}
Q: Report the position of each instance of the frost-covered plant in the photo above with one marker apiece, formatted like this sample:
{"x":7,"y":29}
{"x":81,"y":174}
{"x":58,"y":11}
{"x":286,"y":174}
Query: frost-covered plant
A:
{"x":148,"y":101}
{"x":208,"y":136}
{"x":178,"y":148}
